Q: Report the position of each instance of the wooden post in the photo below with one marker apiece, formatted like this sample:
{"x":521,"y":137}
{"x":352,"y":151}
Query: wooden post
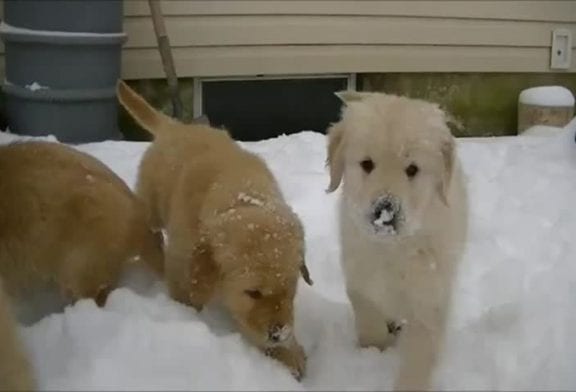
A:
{"x":166,"y":55}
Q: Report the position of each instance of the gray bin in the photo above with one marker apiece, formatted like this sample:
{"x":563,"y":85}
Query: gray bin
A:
{"x":73,"y":48}
{"x":63,"y":61}
{"x":94,"y":16}
{"x":73,"y":116}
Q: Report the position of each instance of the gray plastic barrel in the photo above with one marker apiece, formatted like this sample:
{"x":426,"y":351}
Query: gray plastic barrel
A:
{"x":75,"y":61}
{"x":73,"y":116}
{"x":60,"y":80}
{"x":93,"y":16}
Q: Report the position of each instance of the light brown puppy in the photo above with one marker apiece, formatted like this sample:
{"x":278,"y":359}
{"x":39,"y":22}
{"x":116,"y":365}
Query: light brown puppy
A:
{"x":15,"y":372}
{"x":67,"y":219}
{"x":230,"y":233}
{"x":403,"y":224}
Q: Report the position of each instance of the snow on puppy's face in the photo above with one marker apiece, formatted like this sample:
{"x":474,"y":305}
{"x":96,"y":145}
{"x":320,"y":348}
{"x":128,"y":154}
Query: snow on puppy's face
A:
{"x":394,"y":156}
{"x":260,"y":255}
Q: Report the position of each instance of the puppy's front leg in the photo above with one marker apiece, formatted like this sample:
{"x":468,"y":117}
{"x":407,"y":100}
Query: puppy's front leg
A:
{"x":177,"y":279}
{"x":374,"y":328}
{"x":191,"y":278}
{"x":90,"y":272}
{"x":418,"y":351}
{"x":203,"y":277}
{"x":292,"y":356}
{"x":15,"y":370}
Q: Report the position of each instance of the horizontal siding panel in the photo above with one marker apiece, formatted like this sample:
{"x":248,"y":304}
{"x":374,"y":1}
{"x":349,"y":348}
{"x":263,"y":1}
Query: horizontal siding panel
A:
{"x":270,"y":60}
{"x":293,"y":30}
{"x":237,"y":37}
{"x":543,"y":10}
{"x":306,"y":30}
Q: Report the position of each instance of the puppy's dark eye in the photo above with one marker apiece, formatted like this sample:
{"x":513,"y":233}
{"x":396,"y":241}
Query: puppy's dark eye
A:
{"x":412,"y":170}
{"x":367,"y":165}
{"x":254,"y":294}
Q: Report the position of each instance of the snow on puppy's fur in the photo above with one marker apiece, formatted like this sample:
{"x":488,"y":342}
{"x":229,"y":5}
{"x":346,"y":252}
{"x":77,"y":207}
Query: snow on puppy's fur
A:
{"x":231,"y":234}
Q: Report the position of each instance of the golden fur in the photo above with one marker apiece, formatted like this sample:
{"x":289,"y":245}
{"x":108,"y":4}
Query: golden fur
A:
{"x":403,"y":224}
{"x":67,"y":219}
{"x":15,"y":372}
{"x":230,"y":234}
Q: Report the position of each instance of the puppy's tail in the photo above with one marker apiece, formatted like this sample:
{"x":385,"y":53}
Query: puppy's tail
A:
{"x":145,"y":115}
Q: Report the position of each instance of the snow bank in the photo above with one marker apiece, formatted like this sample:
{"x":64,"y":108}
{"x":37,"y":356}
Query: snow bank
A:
{"x":7,"y":137}
{"x":542,"y":130}
{"x":513,"y":312}
{"x":547,"y":96}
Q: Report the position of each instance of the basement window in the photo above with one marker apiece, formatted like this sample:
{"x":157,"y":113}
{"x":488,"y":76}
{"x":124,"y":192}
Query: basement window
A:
{"x":259,"y":108}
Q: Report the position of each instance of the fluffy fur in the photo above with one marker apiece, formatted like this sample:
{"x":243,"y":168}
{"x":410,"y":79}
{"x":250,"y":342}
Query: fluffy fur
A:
{"x":67,"y":219}
{"x":15,"y":372}
{"x":231,"y":236}
{"x":403,"y":224}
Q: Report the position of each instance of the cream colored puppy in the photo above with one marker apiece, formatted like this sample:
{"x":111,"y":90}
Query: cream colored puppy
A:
{"x":15,"y":372}
{"x":403,"y":224}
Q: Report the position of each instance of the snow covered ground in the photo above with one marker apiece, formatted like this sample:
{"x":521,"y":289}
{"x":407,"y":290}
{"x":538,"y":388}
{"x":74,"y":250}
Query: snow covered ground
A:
{"x":514,"y":310}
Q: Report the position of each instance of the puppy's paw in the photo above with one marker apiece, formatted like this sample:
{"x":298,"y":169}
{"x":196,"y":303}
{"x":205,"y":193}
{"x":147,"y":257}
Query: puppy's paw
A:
{"x":382,"y":341}
{"x":196,"y":302}
{"x":380,"y":345}
{"x":394,"y":328}
{"x":188,"y":298}
{"x":293,"y":357}
{"x":102,"y":296}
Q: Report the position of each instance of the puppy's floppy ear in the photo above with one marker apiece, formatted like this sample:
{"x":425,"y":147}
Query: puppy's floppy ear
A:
{"x":335,"y":159}
{"x":347,"y":96}
{"x":448,"y":151}
{"x":305,"y":273}
{"x":452,"y":121}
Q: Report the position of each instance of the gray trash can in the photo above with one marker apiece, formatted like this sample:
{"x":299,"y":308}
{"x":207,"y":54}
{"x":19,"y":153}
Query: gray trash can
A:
{"x":93,"y":16}
{"x":61,"y":80}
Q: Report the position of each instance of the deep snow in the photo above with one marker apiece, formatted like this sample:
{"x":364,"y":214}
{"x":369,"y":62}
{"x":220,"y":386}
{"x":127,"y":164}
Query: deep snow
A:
{"x":514,"y":310}
{"x":547,"y":96}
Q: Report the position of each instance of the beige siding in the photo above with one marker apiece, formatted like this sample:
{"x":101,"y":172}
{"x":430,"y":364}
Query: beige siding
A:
{"x":212,"y":31}
{"x":542,"y":10}
{"x":216,"y":38}
{"x":236,"y":61}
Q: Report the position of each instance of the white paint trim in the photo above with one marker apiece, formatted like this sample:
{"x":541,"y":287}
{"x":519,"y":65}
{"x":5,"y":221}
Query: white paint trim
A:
{"x":197,"y":98}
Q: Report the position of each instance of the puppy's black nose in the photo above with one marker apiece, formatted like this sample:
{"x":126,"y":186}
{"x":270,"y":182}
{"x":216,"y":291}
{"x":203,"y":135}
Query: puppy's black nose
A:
{"x":384,"y":212}
{"x":274,"y":338}
{"x":275,"y":333}
{"x":384,"y":206}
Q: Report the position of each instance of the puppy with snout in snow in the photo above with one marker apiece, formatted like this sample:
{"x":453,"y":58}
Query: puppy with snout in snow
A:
{"x":403,"y":224}
{"x":230,"y":234}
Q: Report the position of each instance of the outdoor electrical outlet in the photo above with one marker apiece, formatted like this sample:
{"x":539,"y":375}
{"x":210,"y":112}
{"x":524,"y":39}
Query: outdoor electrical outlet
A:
{"x":561,"y":52}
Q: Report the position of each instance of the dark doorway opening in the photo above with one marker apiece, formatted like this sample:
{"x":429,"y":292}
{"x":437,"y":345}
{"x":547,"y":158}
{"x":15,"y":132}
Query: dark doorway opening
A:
{"x":264,"y":108}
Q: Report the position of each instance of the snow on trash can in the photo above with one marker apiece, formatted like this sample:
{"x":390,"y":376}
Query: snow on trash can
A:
{"x":545,"y":105}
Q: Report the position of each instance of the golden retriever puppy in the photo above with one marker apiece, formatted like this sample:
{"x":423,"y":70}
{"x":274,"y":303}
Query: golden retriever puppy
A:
{"x":230,"y":234}
{"x":403,"y":224}
{"x":66,"y":219}
{"x":15,"y":372}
